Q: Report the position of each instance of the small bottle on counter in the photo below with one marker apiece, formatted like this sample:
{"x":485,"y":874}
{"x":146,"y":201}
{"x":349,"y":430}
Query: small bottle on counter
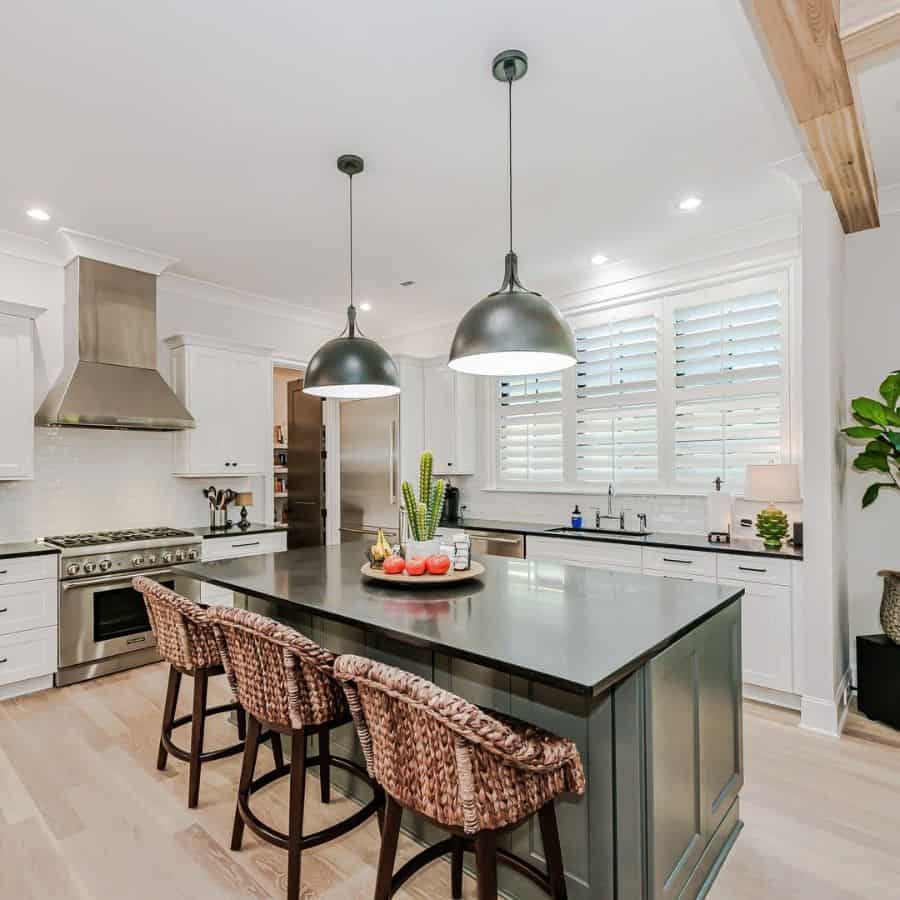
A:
{"x":576,"y":517}
{"x":462,"y":552}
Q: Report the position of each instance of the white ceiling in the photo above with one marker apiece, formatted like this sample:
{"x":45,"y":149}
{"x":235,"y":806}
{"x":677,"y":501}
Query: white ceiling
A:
{"x":879,"y":90}
{"x":208,"y":131}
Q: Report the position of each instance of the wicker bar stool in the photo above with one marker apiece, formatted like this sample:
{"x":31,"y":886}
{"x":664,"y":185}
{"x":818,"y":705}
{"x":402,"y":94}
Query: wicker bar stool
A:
{"x":286,"y":684}
{"x":470,"y":773}
{"x":185,"y":639}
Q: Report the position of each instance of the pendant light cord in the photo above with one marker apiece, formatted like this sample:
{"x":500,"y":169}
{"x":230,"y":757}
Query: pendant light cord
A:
{"x":510,"y":170}
{"x":351,"y":240}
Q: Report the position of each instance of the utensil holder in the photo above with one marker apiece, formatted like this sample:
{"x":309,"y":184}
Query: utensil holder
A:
{"x":218,"y":518}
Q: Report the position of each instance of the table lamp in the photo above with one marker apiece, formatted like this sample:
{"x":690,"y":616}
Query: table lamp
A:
{"x":244,"y":499}
{"x":772,"y":484}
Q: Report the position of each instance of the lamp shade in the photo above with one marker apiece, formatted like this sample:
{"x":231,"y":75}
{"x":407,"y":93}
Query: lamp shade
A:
{"x":351,"y":368}
{"x":776,"y":483}
{"x":244,"y":498}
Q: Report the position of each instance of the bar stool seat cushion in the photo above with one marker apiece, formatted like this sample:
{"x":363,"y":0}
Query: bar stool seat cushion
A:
{"x":448,"y":759}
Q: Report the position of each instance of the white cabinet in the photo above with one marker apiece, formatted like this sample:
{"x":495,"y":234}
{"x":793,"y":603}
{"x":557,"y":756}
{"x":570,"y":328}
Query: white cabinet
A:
{"x":601,"y":555}
{"x":28,"y":617}
{"x":689,"y":564}
{"x":228,"y":390}
{"x":17,"y":392}
{"x":233,"y":547}
{"x":450,"y":419}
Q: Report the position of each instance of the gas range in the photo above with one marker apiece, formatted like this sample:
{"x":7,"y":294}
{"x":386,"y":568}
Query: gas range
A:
{"x":123,"y":552}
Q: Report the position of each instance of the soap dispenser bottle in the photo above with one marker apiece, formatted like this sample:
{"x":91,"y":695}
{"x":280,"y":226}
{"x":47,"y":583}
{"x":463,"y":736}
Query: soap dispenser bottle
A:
{"x":576,"y":517}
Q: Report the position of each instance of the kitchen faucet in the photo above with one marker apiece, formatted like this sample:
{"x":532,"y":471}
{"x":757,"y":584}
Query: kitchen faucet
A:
{"x":610,"y":493}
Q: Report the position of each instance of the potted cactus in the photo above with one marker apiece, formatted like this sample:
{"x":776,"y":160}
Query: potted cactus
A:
{"x":423,"y":514}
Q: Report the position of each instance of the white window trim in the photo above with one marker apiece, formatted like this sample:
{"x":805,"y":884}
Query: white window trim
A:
{"x":783,"y":277}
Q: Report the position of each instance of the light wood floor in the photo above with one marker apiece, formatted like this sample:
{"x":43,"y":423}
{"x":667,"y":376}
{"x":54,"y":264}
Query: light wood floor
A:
{"x":84,"y":814}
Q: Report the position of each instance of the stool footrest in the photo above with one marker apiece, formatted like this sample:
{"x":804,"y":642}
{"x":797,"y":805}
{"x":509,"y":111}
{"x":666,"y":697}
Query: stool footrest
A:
{"x":184,"y":755}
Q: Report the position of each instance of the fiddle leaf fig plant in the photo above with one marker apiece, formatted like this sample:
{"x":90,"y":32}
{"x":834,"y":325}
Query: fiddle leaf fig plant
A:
{"x":879,"y":426}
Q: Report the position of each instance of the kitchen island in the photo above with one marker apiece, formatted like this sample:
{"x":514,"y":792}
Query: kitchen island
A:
{"x":643,"y":673}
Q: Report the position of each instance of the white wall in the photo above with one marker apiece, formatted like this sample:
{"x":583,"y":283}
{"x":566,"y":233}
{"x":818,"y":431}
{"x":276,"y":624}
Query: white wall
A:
{"x":97,"y":478}
{"x":871,"y":332}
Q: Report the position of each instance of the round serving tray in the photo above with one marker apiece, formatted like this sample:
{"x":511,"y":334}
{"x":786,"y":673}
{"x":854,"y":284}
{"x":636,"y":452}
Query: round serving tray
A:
{"x":426,"y":580}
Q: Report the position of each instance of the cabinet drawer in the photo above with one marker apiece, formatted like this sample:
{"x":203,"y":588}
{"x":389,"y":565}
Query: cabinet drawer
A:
{"x":584,"y":552}
{"x":28,"y":654}
{"x":244,"y":545}
{"x":30,"y":604}
{"x":680,"y":562}
{"x":28,"y":568}
{"x":755,"y":568}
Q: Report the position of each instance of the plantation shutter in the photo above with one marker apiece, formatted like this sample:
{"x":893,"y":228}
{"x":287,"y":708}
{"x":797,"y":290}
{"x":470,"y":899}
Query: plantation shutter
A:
{"x":615,"y":401}
{"x":729,"y":382}
{"x":529,"y":428}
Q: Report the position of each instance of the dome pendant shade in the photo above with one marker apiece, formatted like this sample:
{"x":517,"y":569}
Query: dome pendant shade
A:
{"x":351,"y":367}
{"x":513,"y":331}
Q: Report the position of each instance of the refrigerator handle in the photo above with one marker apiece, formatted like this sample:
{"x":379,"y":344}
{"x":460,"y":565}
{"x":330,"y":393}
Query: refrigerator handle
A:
{"x":393,"y":461}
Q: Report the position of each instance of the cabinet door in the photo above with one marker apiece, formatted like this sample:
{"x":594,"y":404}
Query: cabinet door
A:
{"x":247,"y":427}
{"x":767,"y":643}
{"x":17,"y":408}
{"x":209,"y":404}
{"x":439,"y":418}
{"x":464,"y":418}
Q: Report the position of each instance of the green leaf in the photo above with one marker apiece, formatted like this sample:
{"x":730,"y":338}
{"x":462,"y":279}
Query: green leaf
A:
{"x":865,"y":462}
{"x":861,"y":432}
{"x":883,"y":448}
{"x":871,"y":410}
{"x":890,"y":390}
{"x":894,"y":438}
{"x":871,"y":494}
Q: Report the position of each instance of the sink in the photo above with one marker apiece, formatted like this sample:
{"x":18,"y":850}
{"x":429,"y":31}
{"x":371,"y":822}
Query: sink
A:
{"x":611,"y":531}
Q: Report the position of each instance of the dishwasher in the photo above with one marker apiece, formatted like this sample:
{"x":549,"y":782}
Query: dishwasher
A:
{"x":497,"y":543}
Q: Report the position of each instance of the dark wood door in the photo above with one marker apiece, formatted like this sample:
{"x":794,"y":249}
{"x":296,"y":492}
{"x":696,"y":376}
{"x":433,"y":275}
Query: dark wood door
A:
{"x":306,"y":483}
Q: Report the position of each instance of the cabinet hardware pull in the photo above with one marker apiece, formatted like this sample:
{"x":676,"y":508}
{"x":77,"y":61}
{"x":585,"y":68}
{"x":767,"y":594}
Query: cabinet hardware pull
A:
{"x":4,"y":609}
{"x":3,"y":660}
{"x":494,"y":540}
{"x":3,"y":571}
{"x":136,"y":640}
{"x":677,"y":578}
{"x":247,"y":544}
{"x":684,"y":562}
{"x":751,"y":569}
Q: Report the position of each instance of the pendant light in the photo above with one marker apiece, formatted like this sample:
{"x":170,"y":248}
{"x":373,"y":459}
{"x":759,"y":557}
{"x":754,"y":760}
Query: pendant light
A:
{"x":351,"y":367}
{"x":513,"y":331}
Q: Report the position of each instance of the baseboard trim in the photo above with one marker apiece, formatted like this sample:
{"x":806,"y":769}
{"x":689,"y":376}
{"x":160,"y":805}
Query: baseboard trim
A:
{"x":772,"y":697}
{"x":827,"y":717}
{"x":28,"y":686}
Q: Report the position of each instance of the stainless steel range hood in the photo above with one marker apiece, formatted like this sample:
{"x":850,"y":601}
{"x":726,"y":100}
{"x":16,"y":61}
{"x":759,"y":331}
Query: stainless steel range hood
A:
{"x":109,"y":377}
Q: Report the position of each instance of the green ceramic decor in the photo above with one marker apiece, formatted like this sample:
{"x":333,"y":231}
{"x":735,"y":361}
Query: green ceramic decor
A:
{"x":772,"y":527}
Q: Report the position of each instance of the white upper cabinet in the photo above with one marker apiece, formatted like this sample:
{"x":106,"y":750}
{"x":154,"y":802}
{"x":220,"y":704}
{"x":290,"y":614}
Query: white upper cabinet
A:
{"x":17,"y":393}
{"x":227,"y":388}
{"x":450,"y":419}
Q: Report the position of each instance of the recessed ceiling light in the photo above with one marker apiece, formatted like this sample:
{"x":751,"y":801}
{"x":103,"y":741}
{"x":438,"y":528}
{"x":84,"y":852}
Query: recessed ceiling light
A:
{"x":365,"y":307}
{"x":690,"y":203}
{"x":598,"y":259}
{"x":39,"y":215}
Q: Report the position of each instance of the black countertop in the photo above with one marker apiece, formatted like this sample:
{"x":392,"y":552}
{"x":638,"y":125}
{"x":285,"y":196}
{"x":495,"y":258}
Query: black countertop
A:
{"x":670,"y":539}
{"x":206,"y":532}
{"x":26,"y":548}
{"x":577,"y":628}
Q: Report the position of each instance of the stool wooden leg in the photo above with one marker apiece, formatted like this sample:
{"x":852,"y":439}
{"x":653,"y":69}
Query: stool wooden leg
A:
{"x":198,"y":725}
{"x":241,"y":716}
{"x":251,"y":749}
{"x":390,"y":834}
{"x":168,"y":715}
{"x":295,"y":828}
{"x":277,"y":750}
{"x":552,"y":851}
{"x":325,"y":764}
{"x":456,"y":868}
{"x":486,"y":864}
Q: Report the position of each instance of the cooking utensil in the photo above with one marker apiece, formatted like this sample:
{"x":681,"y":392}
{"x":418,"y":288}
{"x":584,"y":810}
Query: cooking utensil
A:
{"x":219,"y":498}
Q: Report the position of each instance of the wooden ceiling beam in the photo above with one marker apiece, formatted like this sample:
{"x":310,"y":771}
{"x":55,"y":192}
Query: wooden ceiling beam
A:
{"x":805,"y":51}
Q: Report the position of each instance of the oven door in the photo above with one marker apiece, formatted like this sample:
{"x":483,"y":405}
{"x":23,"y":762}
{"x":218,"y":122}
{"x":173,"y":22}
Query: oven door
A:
{"x":105,"y":616}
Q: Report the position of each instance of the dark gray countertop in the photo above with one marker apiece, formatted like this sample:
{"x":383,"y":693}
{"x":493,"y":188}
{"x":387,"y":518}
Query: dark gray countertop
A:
{"x":670,"y":539}
{"x":206,"y":532}
{"x":26,"y":548}
{"x":576,"y":628}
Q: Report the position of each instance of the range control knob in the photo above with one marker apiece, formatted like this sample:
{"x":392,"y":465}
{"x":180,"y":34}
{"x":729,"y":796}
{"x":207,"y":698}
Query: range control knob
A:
{"x":167,"y":557}
{"x":192,"y":554}
{"x":179,"y":556}
{"x":90,"y":567}
{"x":105,"y":565}
{"x":73,"y":568}
{"x":151,"y":559}
{"x":137,"y":560}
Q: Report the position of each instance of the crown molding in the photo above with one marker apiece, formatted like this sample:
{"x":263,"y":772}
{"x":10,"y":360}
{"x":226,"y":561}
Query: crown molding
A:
{"x":20,"y":310}
{"x":796,"y":170}
{"x":69,"y":244}
{"x":173,"y":342}
{"x":23,"y":246}
{"x":211,"y":292}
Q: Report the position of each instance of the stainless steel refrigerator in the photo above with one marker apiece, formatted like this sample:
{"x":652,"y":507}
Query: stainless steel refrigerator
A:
{"x":370,"y":469}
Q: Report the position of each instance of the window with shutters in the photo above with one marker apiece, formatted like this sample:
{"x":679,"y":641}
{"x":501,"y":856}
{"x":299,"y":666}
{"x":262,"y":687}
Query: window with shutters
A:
{"x":667,"y":394}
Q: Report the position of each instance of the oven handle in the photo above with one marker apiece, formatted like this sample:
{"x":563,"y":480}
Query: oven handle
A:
{"x":108,"y":579}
